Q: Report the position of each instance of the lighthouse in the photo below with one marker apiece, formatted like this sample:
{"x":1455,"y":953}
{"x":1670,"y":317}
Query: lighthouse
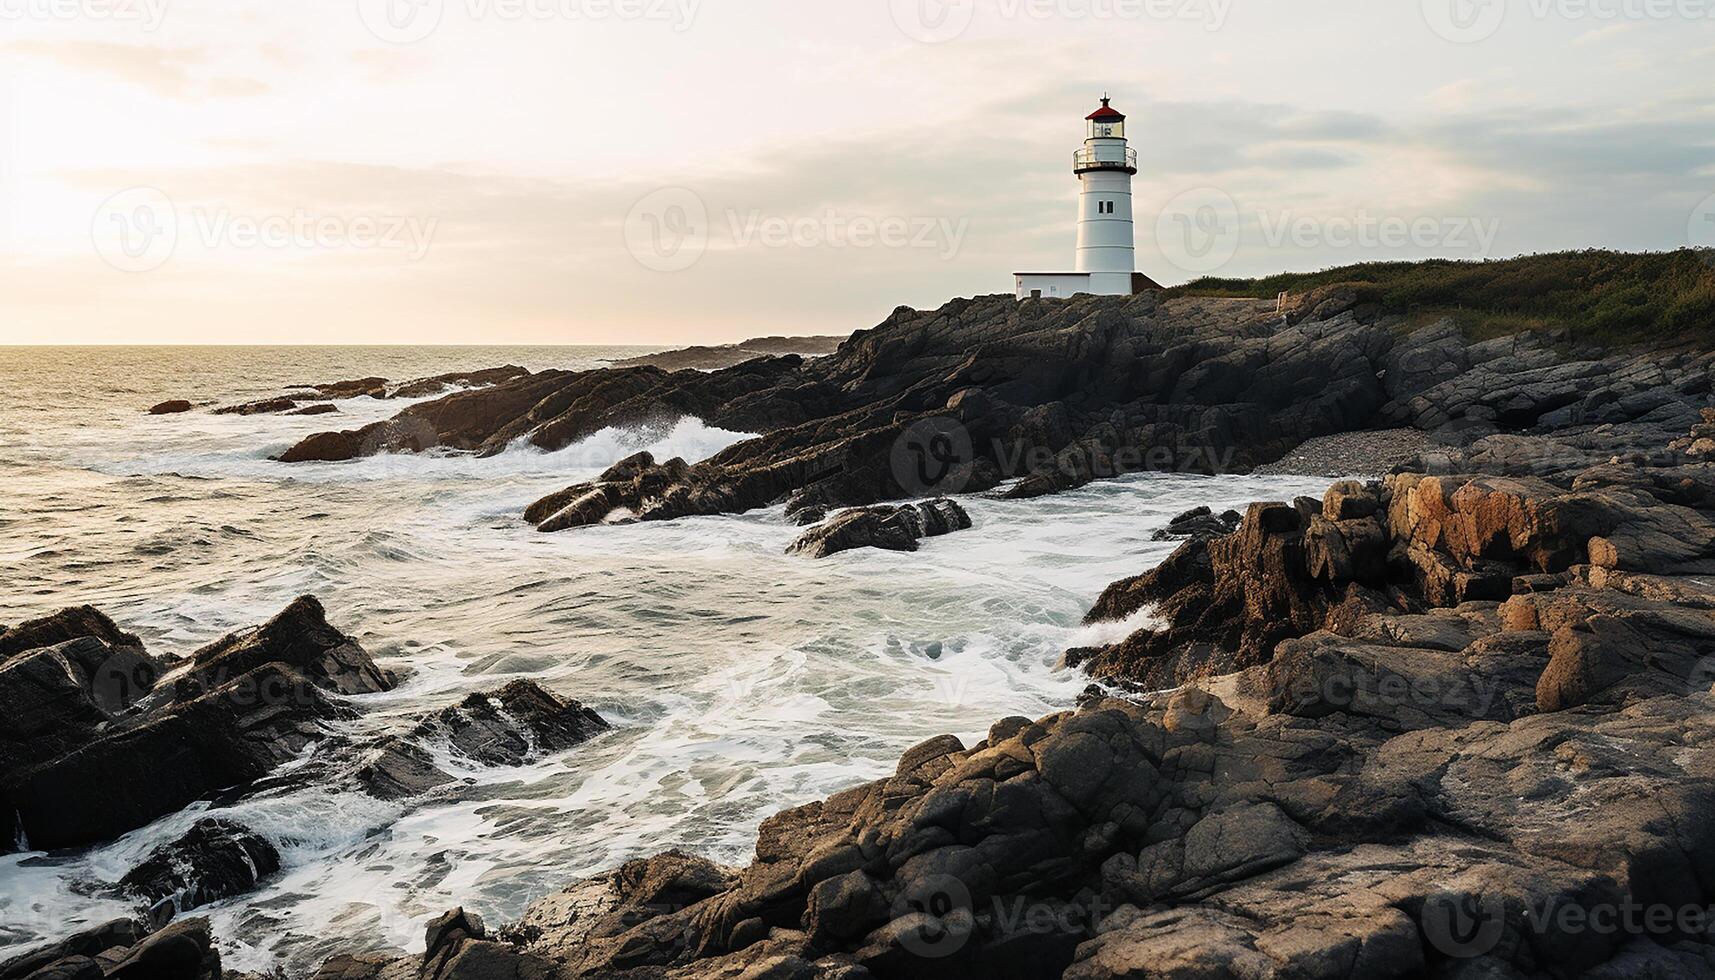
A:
{"x":1106,"y":262}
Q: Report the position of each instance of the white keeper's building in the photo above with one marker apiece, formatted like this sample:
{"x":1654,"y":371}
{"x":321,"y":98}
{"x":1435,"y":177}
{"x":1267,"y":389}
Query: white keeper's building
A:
{"x":1107,"y":244}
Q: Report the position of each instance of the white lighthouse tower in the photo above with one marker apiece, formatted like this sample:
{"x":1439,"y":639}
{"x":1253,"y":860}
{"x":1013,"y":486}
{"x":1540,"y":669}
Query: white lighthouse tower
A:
{"x":1107,"y":246}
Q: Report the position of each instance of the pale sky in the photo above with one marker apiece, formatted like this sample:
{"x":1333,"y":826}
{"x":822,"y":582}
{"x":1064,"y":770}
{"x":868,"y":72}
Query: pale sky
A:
{"x":667,"y":171}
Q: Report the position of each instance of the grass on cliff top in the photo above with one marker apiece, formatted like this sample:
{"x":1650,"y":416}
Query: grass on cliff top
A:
{"x":1664,"y":298}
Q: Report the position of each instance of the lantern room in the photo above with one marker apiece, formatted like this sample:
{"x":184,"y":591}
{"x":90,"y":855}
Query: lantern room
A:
{"x":1106,"y":123}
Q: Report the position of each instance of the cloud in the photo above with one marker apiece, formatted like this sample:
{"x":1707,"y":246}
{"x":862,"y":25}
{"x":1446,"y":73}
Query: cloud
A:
{"x":531,"y":258}
{"x":171,"y":72}
{"x":1600,"y":34}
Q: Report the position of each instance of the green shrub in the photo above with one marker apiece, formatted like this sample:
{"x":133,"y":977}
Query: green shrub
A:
{"x":1596,"y":296}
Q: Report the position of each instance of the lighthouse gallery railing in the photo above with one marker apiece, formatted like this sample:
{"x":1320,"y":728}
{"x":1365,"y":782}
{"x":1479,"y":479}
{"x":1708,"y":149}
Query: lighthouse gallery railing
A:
{"x":1088,"y":158}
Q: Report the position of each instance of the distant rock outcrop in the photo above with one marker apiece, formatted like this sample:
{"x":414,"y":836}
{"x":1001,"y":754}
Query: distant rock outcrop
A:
{"x":731,"y":355}
{"x":288,"y":402}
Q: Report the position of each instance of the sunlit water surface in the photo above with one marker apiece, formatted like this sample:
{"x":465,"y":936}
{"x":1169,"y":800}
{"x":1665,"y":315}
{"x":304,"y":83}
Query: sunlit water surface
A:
{"x":740,"y":680}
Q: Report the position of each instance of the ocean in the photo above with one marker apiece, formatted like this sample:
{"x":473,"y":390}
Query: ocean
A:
{"x":740,"y":680}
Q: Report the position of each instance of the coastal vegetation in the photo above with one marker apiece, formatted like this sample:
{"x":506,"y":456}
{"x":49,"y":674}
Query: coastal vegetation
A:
{"x":1596,"y":296}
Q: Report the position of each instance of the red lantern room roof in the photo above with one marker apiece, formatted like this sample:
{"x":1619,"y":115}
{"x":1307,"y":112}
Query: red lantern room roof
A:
{"x":1106,"y":113}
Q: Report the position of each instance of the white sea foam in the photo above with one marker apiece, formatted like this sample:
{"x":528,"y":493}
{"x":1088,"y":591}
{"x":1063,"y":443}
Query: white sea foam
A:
{"x":1112,"y":631}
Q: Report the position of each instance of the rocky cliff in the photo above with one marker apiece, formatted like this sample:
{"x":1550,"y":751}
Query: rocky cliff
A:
{"x":1453,"y":723}
{"x":1045,"y":396}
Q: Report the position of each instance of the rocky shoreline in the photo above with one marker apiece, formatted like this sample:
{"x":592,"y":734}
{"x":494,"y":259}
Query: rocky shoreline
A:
{"x":1434,"y":725}
{"x":1453,"y":721}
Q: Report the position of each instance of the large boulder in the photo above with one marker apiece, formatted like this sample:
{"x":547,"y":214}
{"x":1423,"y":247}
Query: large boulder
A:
{"x":509,"y":727}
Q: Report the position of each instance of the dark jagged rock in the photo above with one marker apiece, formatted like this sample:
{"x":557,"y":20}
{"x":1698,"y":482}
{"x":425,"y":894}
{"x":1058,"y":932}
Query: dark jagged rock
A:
{"x":80,"y":948}
{"x":377,"y":388}
{"x":266,"y":406}
{"x":554,"y":409}
{"x":889,"y":528}
{"x":215,"y":860}
{"x":158,"y":762}
{"x":509,"y":727}
{"x":124,"y":950}
{"x":173,"y":407}
{"x":353,"y":388}
{"x":181,"y":951}
{"x":100,"y":748}
{"x":54,"y":698}
{"x":67,"y":624}
{"x":1199,"y":522}
{"x":424,"y":387}
{"x":301,"y":639}
{"x":731,"y":355}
